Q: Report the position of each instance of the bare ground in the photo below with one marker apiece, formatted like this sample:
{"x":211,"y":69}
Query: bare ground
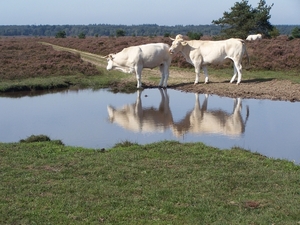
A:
{"x":272,"y":89}
{"x":269,"y":89}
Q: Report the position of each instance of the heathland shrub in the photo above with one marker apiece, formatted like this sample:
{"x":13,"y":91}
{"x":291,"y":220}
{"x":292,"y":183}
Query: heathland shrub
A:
{"x":26,"y":57}
{"x":272,"y":54}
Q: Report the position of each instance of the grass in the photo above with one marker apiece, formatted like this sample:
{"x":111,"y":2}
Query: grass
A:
{"x":103,"y":81}
{"x":261,"y":75}
{"x":127,"y":81}
{"x":45,"y":182}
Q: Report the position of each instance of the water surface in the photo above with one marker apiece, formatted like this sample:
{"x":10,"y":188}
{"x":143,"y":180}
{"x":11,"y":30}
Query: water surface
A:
{"x":100,"y":119}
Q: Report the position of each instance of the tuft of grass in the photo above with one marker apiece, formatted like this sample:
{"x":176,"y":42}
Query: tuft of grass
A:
{"x":40,"y":138}
{"x":35,"y":138}
{"x":159,"y":183}
{"x":124,"y":144}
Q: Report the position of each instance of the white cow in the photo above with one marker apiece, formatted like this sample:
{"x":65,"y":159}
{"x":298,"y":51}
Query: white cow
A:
{"x":254,"y":37}
{"x":203,"y":121}
{"x":201,"y":53}
{"x":135,"y":118}
{"x":133,"y":59}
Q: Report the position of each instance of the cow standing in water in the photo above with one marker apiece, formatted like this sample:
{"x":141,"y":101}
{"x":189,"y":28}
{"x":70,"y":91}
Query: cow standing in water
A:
{"x":133,"y":59}
{"x":201,"y":53}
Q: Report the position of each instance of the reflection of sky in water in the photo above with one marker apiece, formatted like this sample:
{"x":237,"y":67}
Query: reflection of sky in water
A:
{"x":81,"y":119}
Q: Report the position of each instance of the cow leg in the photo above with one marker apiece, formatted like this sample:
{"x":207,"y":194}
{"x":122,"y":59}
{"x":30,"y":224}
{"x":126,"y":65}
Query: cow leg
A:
{"x":234,"y":73}
{"x":138,"y":74}
{"x":237,"y":71}
{"x":164,"y":70}
{"x":205,"y":74}
{"x":197,"y":71}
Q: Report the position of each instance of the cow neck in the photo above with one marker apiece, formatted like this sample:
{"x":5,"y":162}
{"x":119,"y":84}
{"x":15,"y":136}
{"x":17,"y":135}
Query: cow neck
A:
{"x":122,"y":68}
{"x":185,"y":51}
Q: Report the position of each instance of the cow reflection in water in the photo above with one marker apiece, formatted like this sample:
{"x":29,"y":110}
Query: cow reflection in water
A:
{"x":201,"y":121}
{"x":138,"y":119}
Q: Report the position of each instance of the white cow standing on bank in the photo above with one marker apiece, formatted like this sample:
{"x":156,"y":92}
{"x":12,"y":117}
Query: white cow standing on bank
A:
{"x":254,"y":37}
{"x":201,"y":53}
{"x":134,"y":59}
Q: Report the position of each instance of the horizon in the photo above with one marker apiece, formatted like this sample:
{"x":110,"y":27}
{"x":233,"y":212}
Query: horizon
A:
{"x":132,"y":12}
{"x":101,"y":24}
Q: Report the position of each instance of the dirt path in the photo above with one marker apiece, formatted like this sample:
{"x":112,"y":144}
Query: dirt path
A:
{"x":86,"y":56}
{"x":183,"y":80}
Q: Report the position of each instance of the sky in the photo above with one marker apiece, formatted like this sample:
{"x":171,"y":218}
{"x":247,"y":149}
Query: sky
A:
{"x":134,"y":12}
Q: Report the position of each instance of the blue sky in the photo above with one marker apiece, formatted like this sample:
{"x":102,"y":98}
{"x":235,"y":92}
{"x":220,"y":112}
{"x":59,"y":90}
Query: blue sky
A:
{"x":133,"y":12}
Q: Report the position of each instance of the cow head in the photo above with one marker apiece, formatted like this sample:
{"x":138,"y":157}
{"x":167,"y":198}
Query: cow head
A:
{"x":177,"y":44}
{"x":110,"y":58}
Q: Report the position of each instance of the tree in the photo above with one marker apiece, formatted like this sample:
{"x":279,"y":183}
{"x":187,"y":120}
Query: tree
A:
{"x":194,"y":35}
{"x":295,"y":33}
{"x":61,"y":34}
{"x":274,"y":33}
{"x":81,"y":35}
{"x":261,"y":19}
{"x":244,"y":20}
{"x":120,"y":33}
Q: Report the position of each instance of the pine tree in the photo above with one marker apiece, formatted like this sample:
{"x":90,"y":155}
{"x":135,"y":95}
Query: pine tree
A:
{"x":295,"y":33}
{"x":244,"y":20}
{"x":61,"y":34}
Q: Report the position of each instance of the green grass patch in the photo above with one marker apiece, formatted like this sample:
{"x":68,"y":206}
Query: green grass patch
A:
{"x":105,"y":79}
{"x":45,"y":182}
{"x":257,"y":75}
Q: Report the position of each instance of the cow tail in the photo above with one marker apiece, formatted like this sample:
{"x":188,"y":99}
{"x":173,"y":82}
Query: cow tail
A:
{"x":244,"y":45}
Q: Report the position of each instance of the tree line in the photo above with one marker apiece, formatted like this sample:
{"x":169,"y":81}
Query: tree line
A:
{"x":113,"y":30}
{"x":106,"y":30}
{"x":242,"y":20}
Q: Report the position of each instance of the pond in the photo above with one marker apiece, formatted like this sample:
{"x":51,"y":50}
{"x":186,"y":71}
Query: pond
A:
{"x":100,"y":119}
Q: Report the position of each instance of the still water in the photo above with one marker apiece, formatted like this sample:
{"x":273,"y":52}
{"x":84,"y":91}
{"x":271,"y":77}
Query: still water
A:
{"x":100,"y":119}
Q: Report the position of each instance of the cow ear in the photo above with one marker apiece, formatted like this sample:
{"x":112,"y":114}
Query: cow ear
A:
{"x":184,"y":43}
{"x":110,"y":56}
{"x":172,"y":39}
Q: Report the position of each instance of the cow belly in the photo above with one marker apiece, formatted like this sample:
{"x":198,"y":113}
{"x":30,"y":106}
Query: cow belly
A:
{"x":153,"y":61}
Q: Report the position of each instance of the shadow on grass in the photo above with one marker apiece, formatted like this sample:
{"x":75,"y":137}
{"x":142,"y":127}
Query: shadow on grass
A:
{"x":254,"y":80}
